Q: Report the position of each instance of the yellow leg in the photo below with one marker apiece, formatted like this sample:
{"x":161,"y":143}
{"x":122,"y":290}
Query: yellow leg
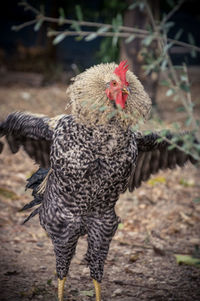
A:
{"x":61,"y":283}
{"x":97,"y":287}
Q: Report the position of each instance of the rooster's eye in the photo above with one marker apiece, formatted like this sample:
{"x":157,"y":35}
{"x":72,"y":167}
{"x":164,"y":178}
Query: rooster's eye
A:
{"x":114,"y":83}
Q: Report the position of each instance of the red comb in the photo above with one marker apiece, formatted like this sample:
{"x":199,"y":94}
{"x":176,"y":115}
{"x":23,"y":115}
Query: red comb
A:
{"x":121,"y":70}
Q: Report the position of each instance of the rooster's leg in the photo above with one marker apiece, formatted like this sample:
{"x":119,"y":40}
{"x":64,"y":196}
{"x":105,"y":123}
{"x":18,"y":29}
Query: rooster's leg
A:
{"x":97,"y":287}
{"x":64,"y":248}
{"x":100,"y":233}
{"x":61,"y":283}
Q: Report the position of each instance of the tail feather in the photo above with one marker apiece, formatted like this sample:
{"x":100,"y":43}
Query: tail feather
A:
{"x":33,"y":203}
{"x":36,"y":211}
{"x":36,"y":179}
{"x":34,"y":183}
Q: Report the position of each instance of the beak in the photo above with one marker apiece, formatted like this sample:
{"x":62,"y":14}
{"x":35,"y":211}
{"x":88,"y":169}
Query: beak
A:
{"x":125,"y":90}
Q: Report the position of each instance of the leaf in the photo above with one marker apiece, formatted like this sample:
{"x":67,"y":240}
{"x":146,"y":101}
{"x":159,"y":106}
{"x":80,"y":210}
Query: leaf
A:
{"x":197,"y":200}
{"x":180,"y":109}
{"x":191,"y":39}
{"x":185,"y":87}
{"x":75,"y":26}
{"x":49,"y":281}
{"x":164,"y":132}
{"x":147,"y":132}
{"x":169,"y":25}
{"x":178,"y":34}
{"x":172,"y":146}
{"x":59,"y":38}
{"x":79,"y":38}
{"x":188,"y":121}
{"x":130,"y":38}
{"x":163,"y":65}
{"x":169,"y":92}
{"x":102,"y":29}
{"x":15,"y":28}
{"x":91,"y":36}
{"x":193,"y":53}
{"x":119,"y":19}
{"x":133,"y":5}
{"x":114,"y":41}
{"x":117,"y":22}
{"x":157,"y":180}
{"x":147,"y":41}
{"x":141,"y":6}
{"x":62,"y":12}
{"x":192,"y":42}
{"x":79,"y":13}
{"x":187,"y":259}
{"x":38,"y":25}
{"x":51,"y":32}
{"x":89,"y":293}
{"x":186,"y":183}
{"x":111,"y":114}
{"x":184,"y":78}
{"x":159,"y":140}
{"x":167,"y":47}
{"x":103,"y":108}
{"x":120,"y":226}
{"x":165,"y":83}
{"x":42,"y":10}
{"x":176,"y":126}
{"x":61,"y":17}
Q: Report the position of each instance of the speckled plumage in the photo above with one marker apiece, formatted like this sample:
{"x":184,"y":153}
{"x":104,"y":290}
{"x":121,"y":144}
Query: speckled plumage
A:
{"x":91,"y":157}
{"x":90,"y":168}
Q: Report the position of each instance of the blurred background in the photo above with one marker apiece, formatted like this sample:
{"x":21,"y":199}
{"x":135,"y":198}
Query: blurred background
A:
{"x":28,"y":50}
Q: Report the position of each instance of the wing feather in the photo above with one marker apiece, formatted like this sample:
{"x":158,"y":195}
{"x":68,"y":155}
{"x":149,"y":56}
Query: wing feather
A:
{"x":136,"y":176}
{"x":154,"y":156}
{"x":30,"y":131}
{"x":155,"y":159}
{"x":145,"y":170}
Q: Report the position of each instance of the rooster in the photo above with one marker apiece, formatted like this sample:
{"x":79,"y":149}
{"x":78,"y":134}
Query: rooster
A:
{"x":87,"y":160}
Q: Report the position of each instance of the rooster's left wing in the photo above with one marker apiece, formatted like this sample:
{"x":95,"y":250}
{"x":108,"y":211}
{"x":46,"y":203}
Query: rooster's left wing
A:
{"x":154,"y":154}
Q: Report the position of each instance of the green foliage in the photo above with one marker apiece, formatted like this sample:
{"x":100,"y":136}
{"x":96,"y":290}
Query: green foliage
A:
{"x":89,"y":293}
{"x":188,"y":260}
{"x":59,"y":38}
{"x":38,"y":25}
{"x":112,"y":12}
{"x":79,"y":13}
{"x":107,"y":53}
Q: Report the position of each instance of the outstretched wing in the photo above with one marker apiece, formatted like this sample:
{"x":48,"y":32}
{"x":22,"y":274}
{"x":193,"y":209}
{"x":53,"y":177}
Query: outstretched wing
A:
{"x":30,"y":131}
{"x":154,"y":155}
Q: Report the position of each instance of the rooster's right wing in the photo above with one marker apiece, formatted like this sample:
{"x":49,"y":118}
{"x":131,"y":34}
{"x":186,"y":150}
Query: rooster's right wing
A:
{"x":30,"y":131}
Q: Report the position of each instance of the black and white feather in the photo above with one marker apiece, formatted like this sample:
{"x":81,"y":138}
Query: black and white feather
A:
{"x":31,"y":132}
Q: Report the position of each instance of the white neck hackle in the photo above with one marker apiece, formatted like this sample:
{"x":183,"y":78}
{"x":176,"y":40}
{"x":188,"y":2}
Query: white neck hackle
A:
{"x":91,"y":106}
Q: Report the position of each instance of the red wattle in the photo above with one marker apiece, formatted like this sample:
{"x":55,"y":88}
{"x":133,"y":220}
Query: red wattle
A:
{"x":121,"y":99}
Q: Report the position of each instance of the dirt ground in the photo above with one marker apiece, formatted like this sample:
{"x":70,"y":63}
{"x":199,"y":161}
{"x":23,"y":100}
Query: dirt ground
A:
{"x":159,"y":220}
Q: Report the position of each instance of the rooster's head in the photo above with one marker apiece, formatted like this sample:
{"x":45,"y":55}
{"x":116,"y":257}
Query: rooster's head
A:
{"x":118,"y":90}
{"x":108,"y":91}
